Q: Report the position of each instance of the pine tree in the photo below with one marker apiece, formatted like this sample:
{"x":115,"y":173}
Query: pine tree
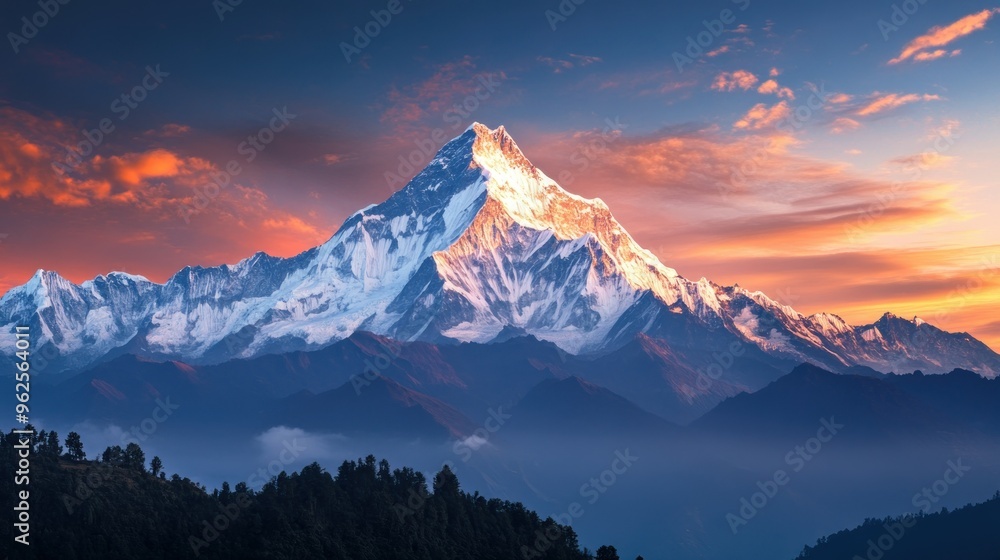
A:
{"x":607,"y":553}
{"x":52,"y":447}
{"x":134,"y":458}
{"x":74,"y":447}
{"x":156,"y":466}
{"x":114,"y":455}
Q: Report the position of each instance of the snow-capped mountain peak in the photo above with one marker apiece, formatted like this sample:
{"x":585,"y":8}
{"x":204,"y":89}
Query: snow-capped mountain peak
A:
{"x":478,"y":243}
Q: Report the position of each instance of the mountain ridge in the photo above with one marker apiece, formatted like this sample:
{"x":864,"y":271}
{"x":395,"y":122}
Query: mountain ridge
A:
{"x":479,"y":242}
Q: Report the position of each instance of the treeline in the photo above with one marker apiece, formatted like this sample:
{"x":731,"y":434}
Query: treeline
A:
{"x":970,"y":533}
{"x":115,"y":507}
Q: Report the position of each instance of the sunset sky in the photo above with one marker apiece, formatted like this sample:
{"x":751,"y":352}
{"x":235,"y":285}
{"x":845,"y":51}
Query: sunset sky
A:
{"x":839,"y":156}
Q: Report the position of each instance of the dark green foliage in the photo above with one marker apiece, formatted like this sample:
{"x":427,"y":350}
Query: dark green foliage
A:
{"x":134,"y":458}
{"x":113,"y":509}
{"x":969,"y":533}
{"x":114,"y":456}
{"x":607,"y":553}
{"x":74,"y":447}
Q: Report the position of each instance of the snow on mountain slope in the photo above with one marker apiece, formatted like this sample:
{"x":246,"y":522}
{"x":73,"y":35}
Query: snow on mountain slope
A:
{"x":479,"y":241}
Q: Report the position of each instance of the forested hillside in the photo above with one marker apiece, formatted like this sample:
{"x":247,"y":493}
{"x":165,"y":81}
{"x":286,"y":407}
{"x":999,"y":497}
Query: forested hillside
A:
{"x":116,"y":507}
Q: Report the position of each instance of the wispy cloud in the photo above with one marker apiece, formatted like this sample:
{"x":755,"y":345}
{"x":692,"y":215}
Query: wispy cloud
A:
{"x":924,"y":160}
{"x":889,"y":101}
{"x":560,"y":65}
{"x":731,"y":81}
{"x":721,"y":50}
{"x":936,"y":54}
{"x":761,"y":116}
{"x":941,"y":36}
{"x":411,"y":107}
{"x":841,"y":125}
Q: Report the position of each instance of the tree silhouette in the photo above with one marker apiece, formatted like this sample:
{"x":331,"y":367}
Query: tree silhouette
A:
{"x":74,"y":447}
{"x":52,"y":447}
{"x":114,"y":456}
{"x":607,"y":553}
{"x":134,"y":458}
{"x":113,"y":509}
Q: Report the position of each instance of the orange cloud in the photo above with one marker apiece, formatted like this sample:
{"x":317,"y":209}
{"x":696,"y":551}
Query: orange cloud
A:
{"x":721,"y":50}
{"x":844,"y":124}
{"x":924,"y":160}
{"x":761,"y":116}
{"x":750,"y":208}
{"x":128,"y":204}
{"x":889,"y":101}
{"x":333,"y":159}
{"x":934,"y":55}
{"x":731,"y":81}
{"x":771,"y":86}
{"x":943,"y":35}
{"x":133,"y":169}
{"x":291,"y":224}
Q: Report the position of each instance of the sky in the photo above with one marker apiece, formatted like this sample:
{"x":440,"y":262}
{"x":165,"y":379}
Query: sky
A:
{"x":838,"y":156}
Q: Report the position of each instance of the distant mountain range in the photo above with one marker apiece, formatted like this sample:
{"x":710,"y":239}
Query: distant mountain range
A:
{"x":896,"y":408}
{"x":968,"y":532}
{"x":480,"y":246}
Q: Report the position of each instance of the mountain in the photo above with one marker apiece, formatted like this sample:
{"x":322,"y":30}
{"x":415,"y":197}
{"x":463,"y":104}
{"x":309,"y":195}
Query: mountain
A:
{"x":479,"y":246}
{"x":377,"y":406}
{"x":968,"y":533}
{"x":573,"y":406}
{"x":889,"y":409}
